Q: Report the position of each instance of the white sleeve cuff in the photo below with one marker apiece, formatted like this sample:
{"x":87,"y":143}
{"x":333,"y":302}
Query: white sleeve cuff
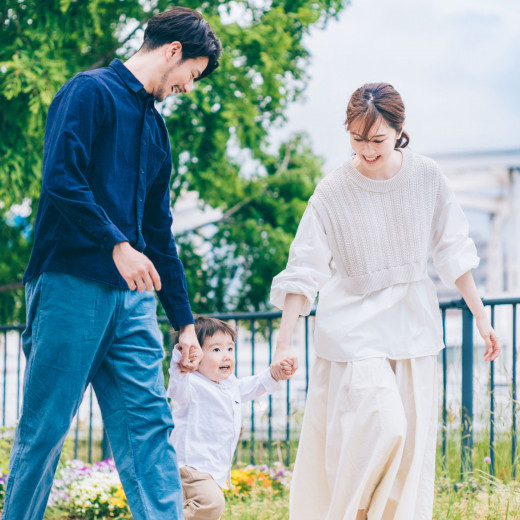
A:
{"x":268,"y":382}
{"x":177,"y":380}
{"x":280,"y":289}
{"x":456,"y":263}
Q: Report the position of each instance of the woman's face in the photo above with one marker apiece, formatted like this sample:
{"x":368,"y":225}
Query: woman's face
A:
{"x":375,"y":152}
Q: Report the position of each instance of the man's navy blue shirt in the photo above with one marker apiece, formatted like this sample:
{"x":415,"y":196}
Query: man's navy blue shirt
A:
{"x":106,"y":175}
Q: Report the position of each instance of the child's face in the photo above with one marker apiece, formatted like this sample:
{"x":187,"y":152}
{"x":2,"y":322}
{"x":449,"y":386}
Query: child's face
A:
{"x":218,"y":361}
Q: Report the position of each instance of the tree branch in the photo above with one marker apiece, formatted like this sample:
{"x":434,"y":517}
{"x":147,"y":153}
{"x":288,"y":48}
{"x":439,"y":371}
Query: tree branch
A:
{"x":10,"y":287}
{"x":239,"y":205}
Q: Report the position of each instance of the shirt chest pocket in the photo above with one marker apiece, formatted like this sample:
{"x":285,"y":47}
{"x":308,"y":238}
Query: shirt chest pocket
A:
{"x":155,"y":160}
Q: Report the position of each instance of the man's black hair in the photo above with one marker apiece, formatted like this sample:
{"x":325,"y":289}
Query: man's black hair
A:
{"x":190,"y":29}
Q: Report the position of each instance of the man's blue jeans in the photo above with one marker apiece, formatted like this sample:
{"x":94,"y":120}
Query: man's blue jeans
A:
{"x":80,"y":332}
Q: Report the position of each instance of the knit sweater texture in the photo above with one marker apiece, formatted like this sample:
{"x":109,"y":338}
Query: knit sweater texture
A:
{"x":379,"y":232}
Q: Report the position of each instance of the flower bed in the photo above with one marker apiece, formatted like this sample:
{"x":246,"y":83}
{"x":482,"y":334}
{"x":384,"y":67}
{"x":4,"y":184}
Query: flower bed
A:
{"x":90,"y":491}
{"x":258,"y":481}
{"x":95,"y":491}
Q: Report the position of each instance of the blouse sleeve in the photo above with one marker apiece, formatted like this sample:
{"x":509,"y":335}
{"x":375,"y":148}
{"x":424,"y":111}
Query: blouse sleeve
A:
{"x":454,"y":253}
{"x":308,"y":267}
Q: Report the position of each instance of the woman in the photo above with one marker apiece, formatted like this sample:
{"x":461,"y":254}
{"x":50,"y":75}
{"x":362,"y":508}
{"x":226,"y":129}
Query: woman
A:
{"x":367,"y":447}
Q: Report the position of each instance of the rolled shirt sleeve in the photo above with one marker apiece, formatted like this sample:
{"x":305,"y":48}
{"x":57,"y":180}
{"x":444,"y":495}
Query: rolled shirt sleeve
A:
{"x":308,"y":267}
{"x":453,"y":252}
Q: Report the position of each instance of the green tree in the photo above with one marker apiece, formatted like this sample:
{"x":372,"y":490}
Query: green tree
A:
{"x":44,"y":43}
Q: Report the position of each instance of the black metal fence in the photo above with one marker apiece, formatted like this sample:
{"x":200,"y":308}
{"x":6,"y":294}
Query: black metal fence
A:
{"x":271,"y":426}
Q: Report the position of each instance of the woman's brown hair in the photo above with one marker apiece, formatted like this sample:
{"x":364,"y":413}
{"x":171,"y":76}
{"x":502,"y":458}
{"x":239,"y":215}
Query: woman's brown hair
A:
{"x":377,"y":100}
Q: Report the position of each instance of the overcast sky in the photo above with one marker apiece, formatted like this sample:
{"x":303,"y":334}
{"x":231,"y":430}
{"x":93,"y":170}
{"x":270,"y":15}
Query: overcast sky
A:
{"x":456,"y":64}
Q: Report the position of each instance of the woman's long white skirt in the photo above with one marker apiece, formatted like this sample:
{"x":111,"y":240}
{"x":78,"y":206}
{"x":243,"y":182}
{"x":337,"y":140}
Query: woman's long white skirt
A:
{"x":368,"y":441}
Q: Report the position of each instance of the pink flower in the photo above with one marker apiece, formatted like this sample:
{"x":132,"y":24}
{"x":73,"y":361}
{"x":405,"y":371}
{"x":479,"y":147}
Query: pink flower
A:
{"x":487,"y":460}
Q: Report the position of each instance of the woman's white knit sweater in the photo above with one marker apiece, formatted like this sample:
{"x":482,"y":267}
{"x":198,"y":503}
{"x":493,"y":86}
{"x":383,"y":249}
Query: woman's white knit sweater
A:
{"x":379,"y":232}
{"x":363,"y":245}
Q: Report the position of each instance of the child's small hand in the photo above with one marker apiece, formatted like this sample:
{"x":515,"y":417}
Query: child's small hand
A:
{"x":190,"y":349}
{"x":284,"y":364}
{"x":187,"y":362}
{"x":287,"y":366}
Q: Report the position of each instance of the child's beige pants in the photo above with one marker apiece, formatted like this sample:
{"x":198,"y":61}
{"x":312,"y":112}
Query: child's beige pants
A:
{"x":368,"y":441}
{"x":203,"y":497}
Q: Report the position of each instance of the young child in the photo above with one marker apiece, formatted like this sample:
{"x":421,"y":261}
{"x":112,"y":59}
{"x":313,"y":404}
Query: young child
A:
{"x":207,"y":416}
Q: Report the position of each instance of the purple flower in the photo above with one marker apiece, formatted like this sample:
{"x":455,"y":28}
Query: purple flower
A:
{"x":487,"y":460}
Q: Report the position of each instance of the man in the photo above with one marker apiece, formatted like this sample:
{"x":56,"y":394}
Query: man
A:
{"x":102,"y":243}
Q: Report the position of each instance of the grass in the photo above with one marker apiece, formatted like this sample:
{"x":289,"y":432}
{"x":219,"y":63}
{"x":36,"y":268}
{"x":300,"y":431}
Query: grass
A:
{"x":267,"y":508}
{"x":450,"y":468}
{"x":479,"y":497}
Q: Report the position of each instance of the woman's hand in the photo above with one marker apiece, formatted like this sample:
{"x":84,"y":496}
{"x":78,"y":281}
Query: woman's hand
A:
{"x":284,"y":363}
{"x":467,"y":288}
{"x":490,"y":338}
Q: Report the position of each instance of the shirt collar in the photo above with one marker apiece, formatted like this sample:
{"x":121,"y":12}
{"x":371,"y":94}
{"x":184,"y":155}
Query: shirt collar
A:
{"x":129,"y":79}
{"x":225,"y":384}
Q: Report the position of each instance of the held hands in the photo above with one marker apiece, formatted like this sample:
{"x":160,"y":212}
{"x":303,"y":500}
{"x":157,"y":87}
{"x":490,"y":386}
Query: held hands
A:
{"x":490,"y":338}
{"x":190,"y":349}
{"x":284,"y":364}
{"x":284,"y":371}
{"x":136,"y":269}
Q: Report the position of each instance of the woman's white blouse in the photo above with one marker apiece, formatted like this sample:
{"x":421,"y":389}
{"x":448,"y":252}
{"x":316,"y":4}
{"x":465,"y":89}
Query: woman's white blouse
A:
{"x":398,"y":322}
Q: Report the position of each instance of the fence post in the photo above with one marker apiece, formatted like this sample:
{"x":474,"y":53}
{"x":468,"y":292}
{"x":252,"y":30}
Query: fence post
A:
{"x":466,"y":462}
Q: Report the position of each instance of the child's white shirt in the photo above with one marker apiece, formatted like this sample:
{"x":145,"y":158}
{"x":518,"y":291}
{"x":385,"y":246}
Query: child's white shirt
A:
{"x":207,"y":416}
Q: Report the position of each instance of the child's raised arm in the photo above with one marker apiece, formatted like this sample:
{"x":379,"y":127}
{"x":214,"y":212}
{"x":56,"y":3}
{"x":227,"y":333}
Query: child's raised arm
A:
{"x":252,"y":387}
{"x":179,"y":384}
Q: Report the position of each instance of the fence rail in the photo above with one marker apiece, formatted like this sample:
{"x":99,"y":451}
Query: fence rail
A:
{"x":273,"y":421}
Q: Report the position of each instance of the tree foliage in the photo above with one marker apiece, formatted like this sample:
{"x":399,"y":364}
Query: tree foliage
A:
{"x":219,"y":133}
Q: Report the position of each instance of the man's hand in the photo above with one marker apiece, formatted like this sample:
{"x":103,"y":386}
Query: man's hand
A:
{"x":190,"y":349}
{"x":284,"y":364}
{"x":136,"y":269}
